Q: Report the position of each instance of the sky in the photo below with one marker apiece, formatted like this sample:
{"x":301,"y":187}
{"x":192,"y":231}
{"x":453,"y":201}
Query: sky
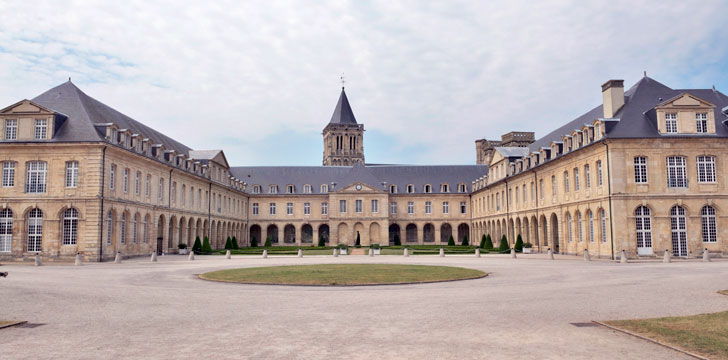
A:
{"x":260,"y":79}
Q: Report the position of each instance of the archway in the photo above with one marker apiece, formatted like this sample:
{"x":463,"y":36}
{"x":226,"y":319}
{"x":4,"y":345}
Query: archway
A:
{"x":429,"y":233}
{"x":171,"y":233}
{"x":555,"y":232}
{"x":255,"y":234}
{"x":307,"y":234}
{"x":411,"y":231}
{"x":160,"y":234}
{"x":289,"y":234}
{"x":394,"y":231}
{"x":342,"y":233}
{"x":374,"y":230}
{"x":359,"y":231}
{"x":445,"y":233}
{"x":324,"y":233}
{"x":271,"y":233}
{"x":463,"y":231}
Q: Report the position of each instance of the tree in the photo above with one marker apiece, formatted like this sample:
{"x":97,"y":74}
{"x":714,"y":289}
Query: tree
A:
{"x":358,"y":240}
{"x":235,"y":243}
{"x":254,"y":242}
{"x":465,"y":241}
{"x":206,"y":245}
{"x":321,"y":242}
{"x":488,"y":243}
{"x":519,"y":244}
{"x":197,"y":247}
{"x":451,"y":241}
{"x":503,"y":244}
{"x":482,"y":242}
{"x":267,"y":241}
{"x":228,"y":244}
{"x":397,"y":242}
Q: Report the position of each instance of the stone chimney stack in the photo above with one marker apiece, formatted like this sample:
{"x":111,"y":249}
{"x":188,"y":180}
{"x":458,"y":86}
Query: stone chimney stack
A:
{"x":613,"y":96}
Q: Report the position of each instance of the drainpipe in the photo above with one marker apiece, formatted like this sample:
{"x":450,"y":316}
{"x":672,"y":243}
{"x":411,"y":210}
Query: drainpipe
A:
{"x":535,"y":189}
{"x":508,"y":219}
{"x":101,"y":204}
{"x":609,"y":193}
{"x":209,"y":202}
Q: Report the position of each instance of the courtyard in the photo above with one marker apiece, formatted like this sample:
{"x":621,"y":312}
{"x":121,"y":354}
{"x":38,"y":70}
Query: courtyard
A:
{"x":530,"y":307}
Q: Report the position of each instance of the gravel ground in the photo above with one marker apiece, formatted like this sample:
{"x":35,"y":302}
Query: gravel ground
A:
{"x":523,"y":310}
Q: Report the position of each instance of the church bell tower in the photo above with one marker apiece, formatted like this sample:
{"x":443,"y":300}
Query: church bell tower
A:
{"x":343,"y":136}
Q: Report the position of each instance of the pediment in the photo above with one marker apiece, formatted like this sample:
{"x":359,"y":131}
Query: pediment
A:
{"x":359,"y":187}
{"x":685,"y":100}
{"x":26,"y":107}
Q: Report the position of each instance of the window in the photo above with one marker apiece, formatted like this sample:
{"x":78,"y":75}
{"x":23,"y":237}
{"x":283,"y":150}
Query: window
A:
{"x":342,"y":206}
{"x":676,"y":174}
{"x":710,"y":231}
{"x":126,"y":180}
{"x":671,"y":123}
{"x":192,"y":196}
{"x":428,"y":189}
{"x":137,"y":180}
{"x":144,"y":230}
{"x":160,"y":195}
{"x":599,"y":173}
{"x":393,"y":189}
{"x":256,"y":189}
{"x":553,"y":186}
{"x":6,"y":230}
{"x":71,"y":174}
{"x":174,"y":194}
{"x":576,"y":179}
{"x":35,"y":230}
{"x":324,"y":208}
{"x":410,"y":207}
{"x":272,"y":208}
{"x":678,"y":228}
{"x":112,"y":177}
{"x":273,"y":189}
{"x":36,"y":182}
{"x":307,"y":189}
{"x":591,"y":227}
{"x":324,"y":188}
{"x":255,"y":208}
{"x":579,"y":225}
{"x":8,"y":174}
{"x":640,"y":170}
{"x":523,"y":193}
{"x":410,"y":189}
{"x":183,"y":194}
{"x":701,"y":120}
{"x":444,"y":188}
{"x":290,"y":189}
{"x":568,"y":224}
{"x":533,"y":193}
{"x":219,"y":201}
{"x":566,"y":181}
{"x":428,"y":207}
{"x":462,"y":188}
{"x":604,"y":225}
{"x":375,"y":206}
{"x":109,"y":227}
{"x":134,"y":228}
{"x":445,"y":207}
{"x":706,"y":169}
{"x":463,"y":208}
{"x":11,"y":129}
{"x":41,"y":129}
{"x":147,"y":185}
{"x":393,"y":208}
{"x":289,"y":208}
{"x":497,"y":202}
{"x":306,"y":208}
{"x":123,"y":228}
{"x":643,"y":226}
{"x":358,"y":206}
{"x":517,"y":198}
{"x":540,"y":188}
{"x":70,"y":226}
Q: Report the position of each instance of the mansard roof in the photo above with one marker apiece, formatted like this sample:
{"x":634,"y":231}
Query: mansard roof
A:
{"x":343,"y":113}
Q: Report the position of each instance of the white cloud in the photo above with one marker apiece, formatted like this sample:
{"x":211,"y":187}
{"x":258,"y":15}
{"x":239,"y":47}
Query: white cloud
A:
{"x":433,"y":76}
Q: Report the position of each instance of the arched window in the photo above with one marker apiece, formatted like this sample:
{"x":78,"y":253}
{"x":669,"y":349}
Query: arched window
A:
{"x":603,"y":219}
{"x":678,"y":228}
{"x":710,"y":231}
{"x":393,"y":189}
{"x":644,"y":227}
{"x":123,"y":228}
{"x":324,"y":188}
{"x":590,"y":218}
{"x":35,"y":230}
{"x":70,"y":226}
{"x":144,"y":229}
{"x":410,"y":188}
{"x":134,"y":228}
{"x":6,"y":230}
{"x":568,"y":223}
{"x":109,"y":227}
{"x":579,"y":226}
{"x":428,"y":188}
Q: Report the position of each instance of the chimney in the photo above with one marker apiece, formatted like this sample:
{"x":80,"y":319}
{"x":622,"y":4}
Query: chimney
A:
{"x":613,"y":96}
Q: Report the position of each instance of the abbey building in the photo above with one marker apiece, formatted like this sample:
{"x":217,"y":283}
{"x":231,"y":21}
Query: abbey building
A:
{"x":637,"y":173}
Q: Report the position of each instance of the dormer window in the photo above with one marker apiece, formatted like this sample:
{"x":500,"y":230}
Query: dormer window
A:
{"x":393,"y":189}
{"x":701,"y":120}
{"x":445,"y":188}
{"x":324,"y":189}
{"x":41,"y":129}
{"x":273,"y":189}
{"x":671,"y":123}
{"x":597,"y":131}
{"x":461,"y":188}
{"x":410,"y":189}
{"x":307,"y":189}
{"x":256,"y":189}
{"x":428,"y":189}
{"x":289,"y":189}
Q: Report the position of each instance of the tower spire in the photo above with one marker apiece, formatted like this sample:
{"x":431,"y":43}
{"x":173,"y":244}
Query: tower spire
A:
{"x":343,"y":81}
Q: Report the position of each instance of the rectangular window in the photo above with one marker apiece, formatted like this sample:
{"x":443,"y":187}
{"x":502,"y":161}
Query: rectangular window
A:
{"x":599,"y":173}
{"x":706,"y":169}
{"x":603,"y":219}
{"x":160,"y":195}
{"x":463,"y":208}
{"x":126,"y":180}
{"x":587,"y":176}
{"x":701,"y":120}
{"x":576,"y":179}
{"x":640,"y":170}
{"x":36,"y":179}
{"x":497,"y":202}
{"x":11,"y":129}
{"x":445,"y":207}
{"x":147,"y":185}
{"x":540,"y":188}
{"x":553,"y":186}
{"x":137,"y":180}
{"x":41,"y":129}
{"x":71,"y":174}
{"x":289,"y":208}
{"x":272,"y":208}
{"x":255,"y":209}
{"x":410,"y":207}
{"x":324,"y":208}
{"x":174,"y":193}
{"x":375,"y":206}
{"x":393,"y":208}
{"x":342,"y":206}
{"x":183,"y":194}
{"x":306,"y":208}
{"x":671,"y":123}
{"x":8,"y":174}
{"x":428,"y":207}
{"x":358,"y":205}
{"x":676,"y":173}
{"x":566,"y":181}
{"x":112,"y":177}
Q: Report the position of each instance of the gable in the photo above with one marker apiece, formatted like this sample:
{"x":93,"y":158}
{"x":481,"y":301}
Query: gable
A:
{"x":497,"y":157}
{"x":25,"y":107}
{"x":220,"y":159}
{"x":685,"y":100}
{"x":352,"y":188}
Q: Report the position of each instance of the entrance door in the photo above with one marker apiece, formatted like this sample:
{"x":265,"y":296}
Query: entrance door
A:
{"x":159,"y":245}
{"x":679,"y":231}
{"x":644,"y":231}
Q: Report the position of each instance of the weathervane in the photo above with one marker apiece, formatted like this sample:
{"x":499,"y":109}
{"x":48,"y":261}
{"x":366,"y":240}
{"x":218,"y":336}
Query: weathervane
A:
{"x":343,"y":80}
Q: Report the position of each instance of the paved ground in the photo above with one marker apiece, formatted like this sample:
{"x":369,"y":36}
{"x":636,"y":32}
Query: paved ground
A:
{"x":522,"y":310}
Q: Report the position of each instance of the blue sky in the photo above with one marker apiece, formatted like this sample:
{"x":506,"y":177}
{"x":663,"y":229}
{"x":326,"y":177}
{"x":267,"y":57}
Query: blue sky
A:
{"x":260,"y":79}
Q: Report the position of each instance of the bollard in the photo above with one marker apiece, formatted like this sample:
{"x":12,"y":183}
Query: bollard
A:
{"x":706,"y":255}
{"x":513,"y":253}
{"x":117,"y":259}
{"x":406,"y":252}
{"x":154,"y":256}
{"x":265,"y":254}
{"x":300,"y":253}
{"x":477,"y":252}
{"x":586,"y":255}
{"x":666,"y":258}
{"x":442,"y":252}
{"x":227,"y":254}
{"x":336,"y":252}
{"x":623,"y":259}
{"x":192,"y":255}
{"x":79,"y":261}
{"x":550,"y":254}
{"x":37,"y":260}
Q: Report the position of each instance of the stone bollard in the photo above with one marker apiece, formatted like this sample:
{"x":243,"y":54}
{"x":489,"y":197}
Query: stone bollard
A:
{"x":117,"y":259}
{"x":477,"y":252}
{"x":37,"y":260}
{"x":666,"y":257}
{"x":192,"y":256}
{"x":227,"y":255}
{"x":550,"y":253}
{"x":336,"y":252}
{"x":442,"y":252}
{"x":371,"y":252}
{"x":623,"y":258}
{"x":513,"y":253}
{"x":586,"y":255}
{"x":406,"y":252}
{"x":79,"y":261}
{"x":706,"y":255}
{"x":154,"y":256}
{"x":300,"y":253}
{"x":265,"y":254}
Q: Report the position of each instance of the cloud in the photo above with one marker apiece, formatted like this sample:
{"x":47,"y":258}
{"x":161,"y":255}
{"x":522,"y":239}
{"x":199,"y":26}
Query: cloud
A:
{"x":426,"y":79}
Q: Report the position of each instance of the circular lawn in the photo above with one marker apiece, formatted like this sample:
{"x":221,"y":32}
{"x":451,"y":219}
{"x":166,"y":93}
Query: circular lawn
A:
{"x":343,"y":274}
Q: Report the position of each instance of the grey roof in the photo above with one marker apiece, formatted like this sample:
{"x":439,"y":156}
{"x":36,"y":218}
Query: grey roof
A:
{"x":83,"y":112}
{"x":637,"y":116}
{"x":512,"y":151}
{"x":342,"y":112}
{"x":400,"y":175}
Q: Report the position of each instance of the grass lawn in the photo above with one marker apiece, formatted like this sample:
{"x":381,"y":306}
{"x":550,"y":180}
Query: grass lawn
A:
{"x":343,"y":274}
{"x":705,"y":334}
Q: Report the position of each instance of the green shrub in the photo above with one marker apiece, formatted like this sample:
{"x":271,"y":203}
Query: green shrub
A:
{"x":527,"y":245}
{"x":358,"y":240}
{"x":397,"y":242}
{"x":343,"y":246}
{"x":182,"y":246}
{"x":488,"y":243}
{"x":451,"y":241}
{"x":482,"y":242}
{"x":375,"y":246}
{"x":519,"y":244}
{"x":321,"y":242}
{"x":503,"y":244}
{"x":235,"y":243}
{"x":254,"y":242}
{"x":267,"y":241}
{"x":197,"y":246}
{"x":228,"y":244}
{"x":465,"y":241}
{"x":206,"y":245}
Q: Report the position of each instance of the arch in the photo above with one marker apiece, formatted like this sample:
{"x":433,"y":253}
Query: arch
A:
{"x":324,"y":232}
{"x":678,"y":227}
{"x":374,"y":233}
{"x":428,"y":233}
{"x":182,"y":236}
{"x":411,"y":233}
{"x":526,"y":230}
{"x":35,"y":230}
{"x":70,"y":227}
{"x":445,"y":233}
{"x":534,"y":228}
{"x":289,"y":234}
{"x":643,"y":227}
{"x":359,"y":231}
{"x":307,"y":234}
{"x":191,"y":231}
{"x":463,"y":231}
{"x":255,"y":234}
{"x":543,"y":228}
{"x":6,"y":230}
{"x":271,"y":232}
{"x":172,"y":232}
{"x":342,"y":233}
{"x":555,"y":232}
{"x":517,"y":228}
{"x":394,"y":231}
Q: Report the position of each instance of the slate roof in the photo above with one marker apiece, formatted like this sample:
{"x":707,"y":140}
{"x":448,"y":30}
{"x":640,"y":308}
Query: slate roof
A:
{"x":400,"y":175}
{"x":343,"y":113}
{"x":512,"y":151}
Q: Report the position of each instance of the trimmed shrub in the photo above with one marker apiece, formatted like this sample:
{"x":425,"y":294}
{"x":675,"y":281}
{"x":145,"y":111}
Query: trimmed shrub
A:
{"x":397,"y":242}
{"x":482,"y":242}
{"x":488,"y":243}
{"x":358,"y":240}
{"x":197,"y":246}
{"x":503,"y":244}
{"x":206,"y":245}
{"x":321,"y":242}
{"x":267,"y":241}
{"x":254,"y":242}
{"x":451,"y":241}
{"x":235,"y":243}
{"x":228,"y":244}
{"x":465,"y":241}
{"x":375,"y":246}
{"x":182,"y":246}
{"x":519,"y":244}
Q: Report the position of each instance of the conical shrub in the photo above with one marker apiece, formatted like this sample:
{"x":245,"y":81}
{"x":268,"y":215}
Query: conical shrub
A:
{"x":267,"y":241}
{"x":465,"y":241}
{"x":206,"y":245}
{"x":451,"y":241}
{"x":397,"y":242}
{"x":488,"y":243}
{"x":321,"y":242}
{"x":519,"y":244}
{"x":503,"y":244}
{"x":254,"y":242}
{"x":482,"y":242}
{"x":228,"y":244}
{"x":197,"y":246}
{"x":235,"y":243}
